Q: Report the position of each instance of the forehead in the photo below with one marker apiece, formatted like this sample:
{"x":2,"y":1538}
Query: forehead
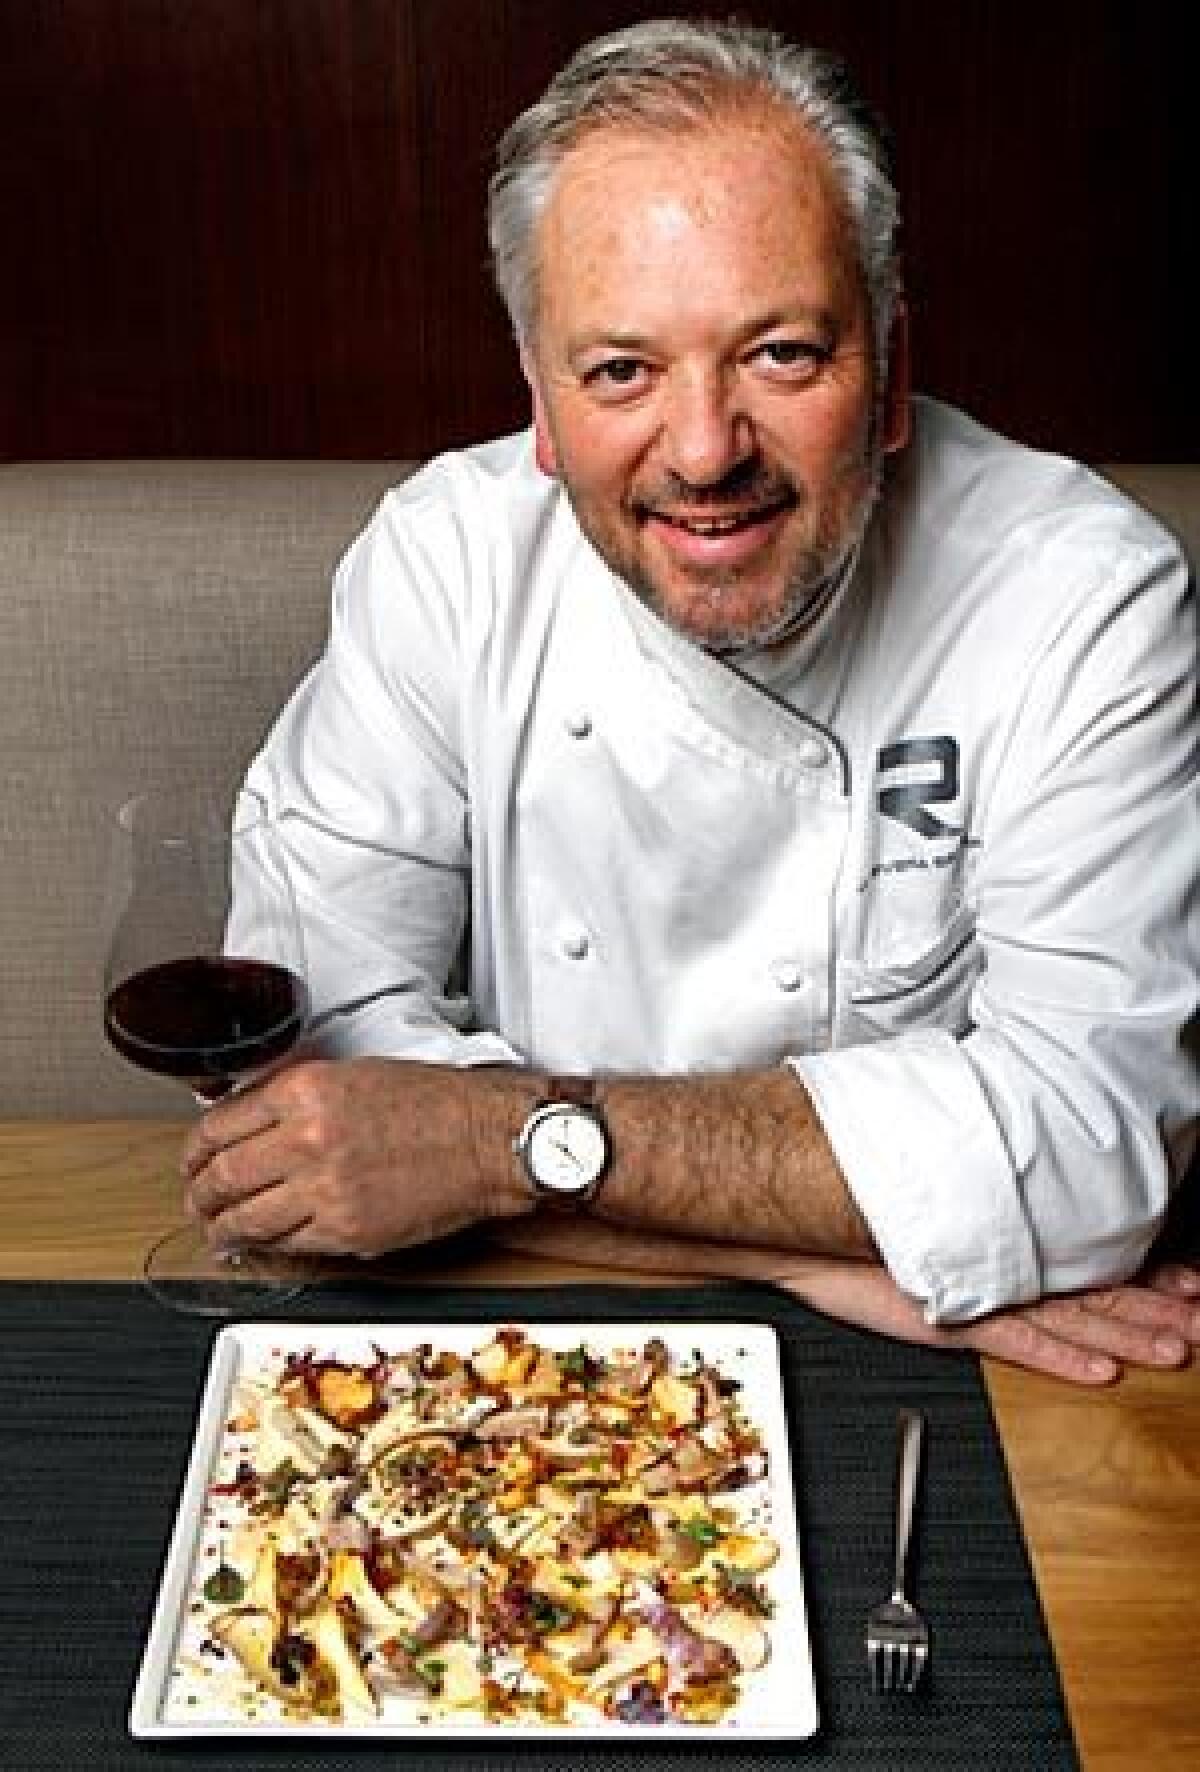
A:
{"x":752,"y":187}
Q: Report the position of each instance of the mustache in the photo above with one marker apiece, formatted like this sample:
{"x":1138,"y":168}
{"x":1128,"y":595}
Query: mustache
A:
{"x":749,"y":482}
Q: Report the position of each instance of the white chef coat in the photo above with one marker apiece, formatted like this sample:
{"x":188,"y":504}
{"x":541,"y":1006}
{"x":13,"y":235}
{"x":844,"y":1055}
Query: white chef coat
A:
{"x":938,"y":853}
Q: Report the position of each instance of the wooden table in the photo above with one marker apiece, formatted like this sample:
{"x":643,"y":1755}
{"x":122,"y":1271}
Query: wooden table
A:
{"x":1107,"y":1482}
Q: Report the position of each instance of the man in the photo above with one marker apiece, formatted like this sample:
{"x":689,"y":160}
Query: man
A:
{"x":757,"y":810}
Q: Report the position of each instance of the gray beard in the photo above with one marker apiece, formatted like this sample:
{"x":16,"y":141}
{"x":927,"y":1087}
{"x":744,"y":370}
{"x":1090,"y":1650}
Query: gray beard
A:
{"x":807,"y":597}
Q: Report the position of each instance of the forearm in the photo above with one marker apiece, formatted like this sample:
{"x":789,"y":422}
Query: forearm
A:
{"x":734,"y":1159}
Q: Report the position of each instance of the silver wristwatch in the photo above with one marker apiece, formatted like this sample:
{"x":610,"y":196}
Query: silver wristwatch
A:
{"x":564,"y":1145}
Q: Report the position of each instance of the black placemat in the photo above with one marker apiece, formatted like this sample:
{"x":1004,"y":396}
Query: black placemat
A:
{"x":98,"y":1392}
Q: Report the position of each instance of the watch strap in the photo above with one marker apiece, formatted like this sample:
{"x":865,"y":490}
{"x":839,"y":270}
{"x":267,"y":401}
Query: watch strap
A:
{"x":581,"y":1091}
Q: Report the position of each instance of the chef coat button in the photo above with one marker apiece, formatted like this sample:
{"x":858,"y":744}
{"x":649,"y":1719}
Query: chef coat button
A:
{"x":575,"y":944}
{"x":788,"y":975}
{"x":579,"y":724}
{"x":811,"y":753}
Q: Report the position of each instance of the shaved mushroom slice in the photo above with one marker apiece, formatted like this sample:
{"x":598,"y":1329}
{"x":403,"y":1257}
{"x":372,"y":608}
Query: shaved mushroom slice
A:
{"x":695,"y":1466}
{"x":581,"y":1532}
{"x":660,"y":1478}
{"x":624,"y":1658}
{"x":679,"y":1550}
{"x":737,"y":1630}
{"x":688,"y":1653}
{"x":283,"y":1439}
{"x":348,"y":1580}
{"x":392,"y":1672}
{"x":590,"y":1655}
{"x":525,"y":1423}
{"x":349,"y":1533}
{"x":261,"y":1590}
{"x":462,"y":1681}
{"x":327,"y":1633}
{"x":444,"y":1619}
{"x":320,"y":1428}
{"x":567,"y":1452}
{"x":249,"y":1633}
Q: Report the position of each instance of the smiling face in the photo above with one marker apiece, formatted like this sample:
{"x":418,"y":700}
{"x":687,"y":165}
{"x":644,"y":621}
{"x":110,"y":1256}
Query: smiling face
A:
{"x":702,"y":369}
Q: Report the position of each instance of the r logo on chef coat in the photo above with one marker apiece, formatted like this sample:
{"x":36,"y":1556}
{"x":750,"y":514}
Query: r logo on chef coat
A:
{"x":929,"y":768}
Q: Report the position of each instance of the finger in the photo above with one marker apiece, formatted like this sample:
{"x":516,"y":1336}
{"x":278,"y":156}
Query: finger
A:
{"x":239,"y":1171}
{"x":230,"y":1122}
{"x":268,"y":1219}
{"x":1176,"y":1278}
{"x":1019,"y":1340}
{"x":1131,"y":1324}
{"x":1169,"y":1307}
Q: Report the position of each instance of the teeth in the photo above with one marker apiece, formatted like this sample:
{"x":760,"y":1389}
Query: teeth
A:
{"x":719,"y":526}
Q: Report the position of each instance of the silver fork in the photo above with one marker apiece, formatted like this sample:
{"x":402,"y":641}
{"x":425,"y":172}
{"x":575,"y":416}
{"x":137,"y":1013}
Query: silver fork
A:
{"x":897,"y":1635}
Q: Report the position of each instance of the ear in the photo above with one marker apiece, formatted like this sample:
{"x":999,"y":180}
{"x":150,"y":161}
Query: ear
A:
{"x":544,"y":452}
{"x":896,"y":406}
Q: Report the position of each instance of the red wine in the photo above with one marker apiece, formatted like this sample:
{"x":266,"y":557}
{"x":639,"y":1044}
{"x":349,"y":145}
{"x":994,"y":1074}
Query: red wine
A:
{"x":206,"y":1020}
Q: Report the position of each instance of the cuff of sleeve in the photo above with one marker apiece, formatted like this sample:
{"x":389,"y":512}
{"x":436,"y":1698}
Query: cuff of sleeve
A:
{"x":405,"y":1029}
{"x":928,"y":1169}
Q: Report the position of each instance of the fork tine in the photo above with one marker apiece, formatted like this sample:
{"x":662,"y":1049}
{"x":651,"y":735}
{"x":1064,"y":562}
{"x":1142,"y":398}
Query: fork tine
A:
{"x":877,"y":1679}
{"x":903,"y":1668}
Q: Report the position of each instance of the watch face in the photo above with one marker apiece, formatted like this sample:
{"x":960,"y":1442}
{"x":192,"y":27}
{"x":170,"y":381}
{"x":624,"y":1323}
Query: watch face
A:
{"x":566,"y":1149}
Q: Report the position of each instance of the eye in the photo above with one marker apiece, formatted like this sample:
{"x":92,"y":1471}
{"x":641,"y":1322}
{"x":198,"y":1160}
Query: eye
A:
{"x":616,"y":377}
{"x":791,"y":359}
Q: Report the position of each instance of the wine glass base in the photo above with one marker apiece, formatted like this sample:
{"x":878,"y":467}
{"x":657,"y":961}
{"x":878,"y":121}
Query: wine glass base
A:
{"x":186,"y":1275}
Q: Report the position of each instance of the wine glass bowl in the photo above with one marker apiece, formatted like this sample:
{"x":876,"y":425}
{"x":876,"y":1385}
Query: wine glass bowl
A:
{"x":204,"y":983}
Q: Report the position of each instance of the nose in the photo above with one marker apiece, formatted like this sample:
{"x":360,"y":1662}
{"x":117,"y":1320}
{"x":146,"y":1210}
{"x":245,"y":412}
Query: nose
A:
{"x":705,"y":432}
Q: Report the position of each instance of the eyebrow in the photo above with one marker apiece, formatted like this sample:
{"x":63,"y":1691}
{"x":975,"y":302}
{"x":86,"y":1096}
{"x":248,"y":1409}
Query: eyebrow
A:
{"x":800,"y":315}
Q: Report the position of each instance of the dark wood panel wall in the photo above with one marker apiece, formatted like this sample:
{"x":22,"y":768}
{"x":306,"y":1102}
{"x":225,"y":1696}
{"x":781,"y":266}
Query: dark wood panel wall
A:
{"x":255,"y":227}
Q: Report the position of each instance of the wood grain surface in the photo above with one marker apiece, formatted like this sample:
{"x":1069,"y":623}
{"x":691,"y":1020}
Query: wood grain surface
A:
{"x":258,"y":230}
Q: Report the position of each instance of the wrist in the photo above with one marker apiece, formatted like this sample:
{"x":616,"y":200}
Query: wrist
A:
{"x":564,"y":1145}
{"x":539,"y":1141}
{"x":500,"y":1098}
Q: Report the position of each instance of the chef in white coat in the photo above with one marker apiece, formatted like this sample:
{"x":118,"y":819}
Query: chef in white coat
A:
{"x":748,"y":821}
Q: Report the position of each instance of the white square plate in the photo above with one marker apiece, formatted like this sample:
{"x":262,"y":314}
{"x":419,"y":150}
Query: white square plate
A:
{"x":179,"y":1694}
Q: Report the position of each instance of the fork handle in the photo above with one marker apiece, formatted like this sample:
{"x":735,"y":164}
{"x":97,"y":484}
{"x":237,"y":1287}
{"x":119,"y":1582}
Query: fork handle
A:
{"x":912,"y":1429}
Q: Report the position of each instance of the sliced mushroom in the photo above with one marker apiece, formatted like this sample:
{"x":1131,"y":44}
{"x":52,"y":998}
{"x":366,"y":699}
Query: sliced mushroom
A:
{"x":687,"y":1652}
{"x":249,"y":1634}
{"x":524,"y":1423}
{"x":348,"y":1580}
{"x":445,"y":1618}
{"x":590,"y":1654}
{"x":738,"y":1631}
{"x":327,"y":1633}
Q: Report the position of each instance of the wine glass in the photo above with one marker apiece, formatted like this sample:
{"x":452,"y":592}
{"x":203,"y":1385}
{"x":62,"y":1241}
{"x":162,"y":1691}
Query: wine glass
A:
{"x":205,"y":982}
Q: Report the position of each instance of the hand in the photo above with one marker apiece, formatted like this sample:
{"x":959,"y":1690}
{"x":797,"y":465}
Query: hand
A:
{"x":351,"y":1157}
{"x":1089,"y":1337}
{"x":1086,"y":1338}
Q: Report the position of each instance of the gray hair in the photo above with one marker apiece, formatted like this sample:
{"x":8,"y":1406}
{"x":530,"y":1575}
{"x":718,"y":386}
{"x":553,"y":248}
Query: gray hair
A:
{"x":672,"y":74}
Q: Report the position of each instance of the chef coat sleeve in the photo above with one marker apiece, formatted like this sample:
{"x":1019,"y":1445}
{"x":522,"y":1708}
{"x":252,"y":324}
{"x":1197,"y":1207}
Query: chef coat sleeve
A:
{"x":364,"y":773}
{"x":1034,"y":1153}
